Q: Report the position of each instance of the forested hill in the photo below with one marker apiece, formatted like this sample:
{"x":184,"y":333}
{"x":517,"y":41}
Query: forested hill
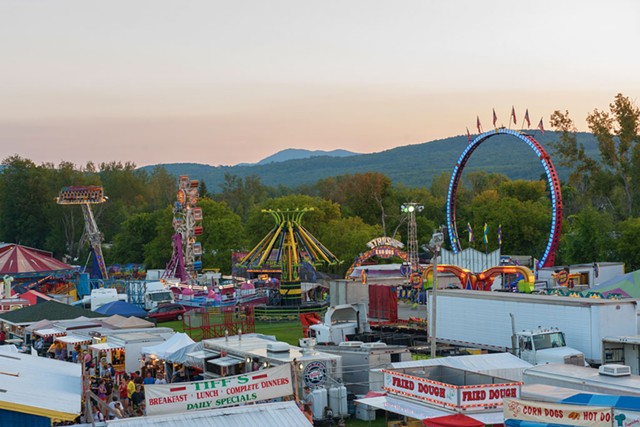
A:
{"x":412,"y":165}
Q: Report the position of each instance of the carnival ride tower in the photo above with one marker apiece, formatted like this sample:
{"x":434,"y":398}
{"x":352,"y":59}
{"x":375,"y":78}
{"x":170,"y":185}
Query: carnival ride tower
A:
{"x":187,"y":225}
{"x":85,"y":196}
{"x":410,"y":210}
{"x":285,"y":248}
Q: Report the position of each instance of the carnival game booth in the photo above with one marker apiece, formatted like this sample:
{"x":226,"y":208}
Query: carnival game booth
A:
{"x":37,"y":391}
{"x":441,"y":395}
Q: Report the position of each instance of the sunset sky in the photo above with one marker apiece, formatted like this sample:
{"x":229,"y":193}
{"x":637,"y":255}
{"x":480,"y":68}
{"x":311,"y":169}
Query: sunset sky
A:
{"x":227,"y":82}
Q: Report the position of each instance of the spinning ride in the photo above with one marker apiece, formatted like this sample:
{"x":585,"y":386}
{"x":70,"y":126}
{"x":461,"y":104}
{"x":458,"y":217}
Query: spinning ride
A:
{"x":187,"y":219}
{"x":548,"y":257}
{"x":86,"y":196}
{"x":285,"y":249}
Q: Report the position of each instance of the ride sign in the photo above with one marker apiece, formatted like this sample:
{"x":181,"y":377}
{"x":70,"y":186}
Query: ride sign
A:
{"x":219,"y":392}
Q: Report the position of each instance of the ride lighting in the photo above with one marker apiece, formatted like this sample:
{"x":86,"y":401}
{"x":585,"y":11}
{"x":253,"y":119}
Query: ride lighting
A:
{"x":411,"y":207}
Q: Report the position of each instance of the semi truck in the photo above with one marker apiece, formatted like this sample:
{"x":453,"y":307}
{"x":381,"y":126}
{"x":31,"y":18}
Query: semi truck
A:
{"x":525,"y":324}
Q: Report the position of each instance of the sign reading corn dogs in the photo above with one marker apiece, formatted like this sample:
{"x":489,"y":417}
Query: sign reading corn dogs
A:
{"x":552,"y":413}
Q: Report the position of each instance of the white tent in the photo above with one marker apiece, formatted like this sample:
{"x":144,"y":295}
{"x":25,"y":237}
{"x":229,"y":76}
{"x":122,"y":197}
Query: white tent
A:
{"x":173,"y":344}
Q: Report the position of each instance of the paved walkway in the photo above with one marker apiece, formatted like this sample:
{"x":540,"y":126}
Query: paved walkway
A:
{"x":405,"y":311}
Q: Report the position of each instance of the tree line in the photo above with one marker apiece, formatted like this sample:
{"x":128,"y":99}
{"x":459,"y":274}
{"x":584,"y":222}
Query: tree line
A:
{"x":601,"y":205}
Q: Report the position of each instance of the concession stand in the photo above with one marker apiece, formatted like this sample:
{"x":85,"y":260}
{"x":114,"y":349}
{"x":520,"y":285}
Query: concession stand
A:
{"x":441,"y":395}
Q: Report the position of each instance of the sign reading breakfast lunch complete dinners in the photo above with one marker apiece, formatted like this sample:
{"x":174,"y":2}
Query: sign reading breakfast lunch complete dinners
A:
{"x":218,"y":392}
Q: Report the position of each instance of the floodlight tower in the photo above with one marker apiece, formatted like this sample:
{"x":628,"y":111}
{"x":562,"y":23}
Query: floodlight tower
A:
{"x":410,"y":210}
{"x":86,"y":196}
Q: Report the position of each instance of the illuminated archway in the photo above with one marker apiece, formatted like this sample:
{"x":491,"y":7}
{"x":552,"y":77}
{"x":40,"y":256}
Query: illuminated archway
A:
{"x":549,"y":256}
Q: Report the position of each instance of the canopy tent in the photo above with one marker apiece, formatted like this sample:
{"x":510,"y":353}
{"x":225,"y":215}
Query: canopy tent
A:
{"x":176,"y":342}
{"x":421,"y":411}
{"x":122,"y":308}
{"x":21,"y":261}
{"x":627,"y":285}
{"x":181,"y":355}
{"x":619,"y":402}
{"x":52,"y":310}
{"x":120,"y":322}
{"x":40,"y":386}
{"x":455,"y":420}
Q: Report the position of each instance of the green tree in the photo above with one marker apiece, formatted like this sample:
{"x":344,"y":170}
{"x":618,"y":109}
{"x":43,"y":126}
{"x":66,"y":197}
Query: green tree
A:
{"x":346,"y":238}
{"x":627,"y":243}
{"x":128,"y":244}
{"x":587,"y":237}
{"x":606,"y":184}
{"x":25,"y":199}
{"x":223,"y":234}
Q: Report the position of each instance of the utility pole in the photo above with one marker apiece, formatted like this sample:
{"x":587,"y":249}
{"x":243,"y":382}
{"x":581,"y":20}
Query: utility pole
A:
{"x":437,"y":239}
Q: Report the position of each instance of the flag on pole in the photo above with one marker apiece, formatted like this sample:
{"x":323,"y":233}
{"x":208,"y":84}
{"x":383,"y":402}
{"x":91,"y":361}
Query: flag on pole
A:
{"x":526,"y":118}
{"x":513,"y":115}
{"x":468,"y":136}
{"x":500,"y":235}
{"x":541,"y":126}
{"x":478,"y":124}
{"x":495,"y":118}
{"x":470,"y":232}
{"x":486,"y":234}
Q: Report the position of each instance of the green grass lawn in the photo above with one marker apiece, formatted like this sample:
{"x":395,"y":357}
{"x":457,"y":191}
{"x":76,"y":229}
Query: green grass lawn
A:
{"x":288,"y":331}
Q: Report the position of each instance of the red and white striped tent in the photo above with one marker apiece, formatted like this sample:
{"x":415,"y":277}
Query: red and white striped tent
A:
{"x":20,"y":261}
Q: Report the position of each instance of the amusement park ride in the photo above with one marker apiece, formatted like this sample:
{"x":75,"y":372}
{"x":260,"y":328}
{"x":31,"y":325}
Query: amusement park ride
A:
{"x":187,"y":224}
{"x":86,"y":196}
{"x":284,"y":249}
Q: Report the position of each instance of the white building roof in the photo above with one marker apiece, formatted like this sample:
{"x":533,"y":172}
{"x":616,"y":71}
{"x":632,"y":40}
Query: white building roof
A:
{"x":501,"y":365}
{"x":281,"y":414}
{"x":40,"y":386}
{"x":255,"y":345}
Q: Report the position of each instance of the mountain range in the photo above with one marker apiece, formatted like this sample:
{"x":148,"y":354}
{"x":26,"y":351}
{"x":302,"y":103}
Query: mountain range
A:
{"x":412,"y":165}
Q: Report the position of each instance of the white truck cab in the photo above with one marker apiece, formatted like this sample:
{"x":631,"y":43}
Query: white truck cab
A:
{"x":541,"y":346}
{"x":155,"y":294}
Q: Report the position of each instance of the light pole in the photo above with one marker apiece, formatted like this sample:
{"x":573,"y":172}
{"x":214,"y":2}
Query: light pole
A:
{"x":434,"y":246}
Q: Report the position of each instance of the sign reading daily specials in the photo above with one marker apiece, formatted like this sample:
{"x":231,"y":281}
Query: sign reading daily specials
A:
{"x":219,"y":392}
{"x":557,"y":413}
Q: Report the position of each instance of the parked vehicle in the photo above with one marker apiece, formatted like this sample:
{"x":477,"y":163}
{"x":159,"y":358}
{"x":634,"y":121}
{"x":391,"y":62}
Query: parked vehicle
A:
{"x":480,"y":319}
{"x":167,"y":312}
{"x":340,"y":321}
{"x":155,"y":294}
{"x":624,"y":350}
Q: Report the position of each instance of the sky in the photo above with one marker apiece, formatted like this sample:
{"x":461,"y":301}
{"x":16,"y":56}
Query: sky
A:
{"x":228,"y":82}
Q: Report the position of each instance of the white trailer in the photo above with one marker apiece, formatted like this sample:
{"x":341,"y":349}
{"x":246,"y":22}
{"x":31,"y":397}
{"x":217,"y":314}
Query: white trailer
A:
{"x":622,"y":350}
{"x":359,"y":359}
{"x":481,"y":319}
{"x":580,"y":378}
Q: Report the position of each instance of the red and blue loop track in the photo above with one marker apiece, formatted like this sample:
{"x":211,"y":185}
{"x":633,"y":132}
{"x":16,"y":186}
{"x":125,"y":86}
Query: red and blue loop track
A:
{"x":549,"y":255}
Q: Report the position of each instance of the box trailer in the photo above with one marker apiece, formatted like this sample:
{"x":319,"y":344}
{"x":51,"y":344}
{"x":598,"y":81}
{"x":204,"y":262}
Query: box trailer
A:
{"x":623,"y":350}
{"x":482,"y":319}
{"x":585,"y":379}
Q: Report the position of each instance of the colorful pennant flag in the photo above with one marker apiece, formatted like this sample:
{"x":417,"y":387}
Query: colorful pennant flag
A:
{"x":495,"y":118}
{"x":526,"y":118}
{"x":470,"y":232}
{"x":513,"y":115}
{"x":468,"y":136}
{"x":541,"y":126}
{"x":478,"y":124}
{"x":485,"y":237}
{"x":500,"y":235}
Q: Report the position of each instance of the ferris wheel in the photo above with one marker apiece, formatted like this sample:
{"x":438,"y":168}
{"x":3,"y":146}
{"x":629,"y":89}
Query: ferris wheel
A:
{"x":187,"y":225}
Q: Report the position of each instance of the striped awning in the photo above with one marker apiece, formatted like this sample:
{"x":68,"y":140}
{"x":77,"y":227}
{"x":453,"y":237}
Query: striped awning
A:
{"x":73,"y":339}
{"x":50,"y":332}
{"x":106,"y":346}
